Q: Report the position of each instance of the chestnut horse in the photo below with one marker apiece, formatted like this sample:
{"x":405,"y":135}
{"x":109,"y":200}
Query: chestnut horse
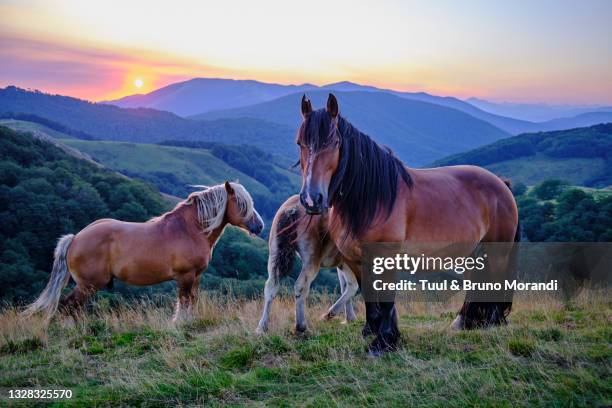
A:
{"x":373,"y":197}
{"x":176,"y":246}
{"x":294,"y":232}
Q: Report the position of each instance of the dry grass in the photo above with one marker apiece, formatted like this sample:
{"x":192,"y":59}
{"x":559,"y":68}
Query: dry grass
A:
{"x":551,"y":353}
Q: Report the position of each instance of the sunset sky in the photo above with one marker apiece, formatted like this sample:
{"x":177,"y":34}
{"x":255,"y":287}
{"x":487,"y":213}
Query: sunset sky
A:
{"x":530,"y":51}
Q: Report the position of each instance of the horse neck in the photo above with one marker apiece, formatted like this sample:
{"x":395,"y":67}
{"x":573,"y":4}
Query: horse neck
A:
{"x":215,"y":234}
{"x":189,"y":215}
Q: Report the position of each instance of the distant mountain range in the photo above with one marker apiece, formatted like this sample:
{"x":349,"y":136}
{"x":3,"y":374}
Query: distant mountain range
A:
{"x":419,"y":132}
{"x":415,"y":130}
{"x":204,"y":95}
{"x":581,"y":156}
{"x":535,"y":112}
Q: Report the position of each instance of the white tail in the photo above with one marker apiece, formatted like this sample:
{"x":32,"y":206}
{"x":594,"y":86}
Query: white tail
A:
{"x":48,"y":300}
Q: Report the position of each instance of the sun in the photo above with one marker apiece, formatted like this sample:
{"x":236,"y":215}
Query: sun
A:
{"x":138,"y":83}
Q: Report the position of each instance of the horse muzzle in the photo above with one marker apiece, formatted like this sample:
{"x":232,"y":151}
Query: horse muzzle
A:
{"x":313,"y":206}
{"x":255,"y":225}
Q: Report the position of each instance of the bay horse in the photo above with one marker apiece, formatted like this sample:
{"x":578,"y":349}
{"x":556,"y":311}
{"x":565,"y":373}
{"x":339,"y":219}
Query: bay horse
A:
{"x":177,"y":245}
{"x":371,"y":196}
{"x":294,"y":232}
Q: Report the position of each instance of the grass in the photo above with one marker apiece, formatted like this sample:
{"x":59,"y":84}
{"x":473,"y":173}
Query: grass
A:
{"x":550,"y":354}
{"x":183,"y":166}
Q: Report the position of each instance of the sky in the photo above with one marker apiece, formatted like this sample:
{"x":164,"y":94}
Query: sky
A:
{"x":551,"y":51}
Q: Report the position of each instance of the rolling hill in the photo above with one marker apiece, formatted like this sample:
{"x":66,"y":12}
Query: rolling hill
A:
{"x":107,"y":122}
{"x":199,"y":95}
{"x":581,"y":156}
{"x":417,"y":131}
{"x":172,"y":169}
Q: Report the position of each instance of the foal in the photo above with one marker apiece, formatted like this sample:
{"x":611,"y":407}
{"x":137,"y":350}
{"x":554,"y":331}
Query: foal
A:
{"x":176,"y":246}
{"x":293,"y":231}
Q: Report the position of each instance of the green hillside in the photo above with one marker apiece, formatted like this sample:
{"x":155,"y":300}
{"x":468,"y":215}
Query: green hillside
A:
{"x":27,"y":126}
{"x":45,"y":193}
{"x":417,"y":131}
{"x":173,"y":169}
{"x":581,"y":156}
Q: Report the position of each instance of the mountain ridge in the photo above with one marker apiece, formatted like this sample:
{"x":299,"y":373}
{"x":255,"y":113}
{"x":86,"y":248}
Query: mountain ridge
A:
{"x":582,"y":156}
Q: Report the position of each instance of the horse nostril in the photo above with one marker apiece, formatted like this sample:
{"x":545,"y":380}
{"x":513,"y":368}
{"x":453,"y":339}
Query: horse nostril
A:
{"x":319,"y":199}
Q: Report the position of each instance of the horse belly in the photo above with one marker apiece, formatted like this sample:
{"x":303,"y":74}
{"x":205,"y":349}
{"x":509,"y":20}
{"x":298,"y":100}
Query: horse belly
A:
{"x":144,"y":267}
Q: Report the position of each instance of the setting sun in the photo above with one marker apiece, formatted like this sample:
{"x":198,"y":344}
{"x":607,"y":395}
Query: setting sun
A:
{"x":138,"y":83}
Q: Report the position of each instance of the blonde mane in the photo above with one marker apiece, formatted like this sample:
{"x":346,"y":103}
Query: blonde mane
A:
{"x":212,"y":202}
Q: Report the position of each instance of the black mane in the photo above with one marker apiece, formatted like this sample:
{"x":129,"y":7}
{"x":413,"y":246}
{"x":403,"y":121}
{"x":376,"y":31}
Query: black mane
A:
{"x":365,"y":181}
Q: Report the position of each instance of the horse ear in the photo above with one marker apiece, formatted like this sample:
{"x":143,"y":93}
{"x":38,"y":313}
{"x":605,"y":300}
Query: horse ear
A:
{"x":332,"y":106}
{"x":229,"y":188}
{"x":306,"y":106}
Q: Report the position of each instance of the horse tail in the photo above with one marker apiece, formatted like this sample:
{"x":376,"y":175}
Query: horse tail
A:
{"x":285,"y":244}
{"x":60,"y":275}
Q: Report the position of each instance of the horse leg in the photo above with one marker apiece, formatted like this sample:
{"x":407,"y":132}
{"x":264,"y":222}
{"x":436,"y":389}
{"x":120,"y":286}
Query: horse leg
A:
{"x":373,"y":319}
{"x":388,"y":332}
{"x":348,"y":286}
{"x":493,"y":308}
{"x":195,"y":291}
{"x":74,"y":301}
{"x":302,"y":288}
{"x":270,"y":291}
{"x":185,"y":284}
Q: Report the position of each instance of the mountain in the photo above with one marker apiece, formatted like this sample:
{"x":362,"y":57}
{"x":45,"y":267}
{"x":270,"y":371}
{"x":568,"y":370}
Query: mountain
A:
{"x":581,"y":156}
{"x":417,"y":131}
{"x":206,"y":94}
{"x":85,"y":119}
{"x":535,"y":112}
{"x":581,"y":120}
{"x":510,"y":125}
{"x":203,"y":95}
{"x":559,"y":117}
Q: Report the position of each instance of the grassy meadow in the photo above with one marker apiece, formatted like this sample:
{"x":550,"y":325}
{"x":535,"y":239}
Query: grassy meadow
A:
{"x":551,"y":354}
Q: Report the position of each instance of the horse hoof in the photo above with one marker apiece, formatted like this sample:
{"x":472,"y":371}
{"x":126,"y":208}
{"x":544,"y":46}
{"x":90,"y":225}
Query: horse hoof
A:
{"x":325,"y":317}
{"x":458,"y":324}
{"x":301,"y":329}
{"x":375,"y":353}
{"x":260,"y":331}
